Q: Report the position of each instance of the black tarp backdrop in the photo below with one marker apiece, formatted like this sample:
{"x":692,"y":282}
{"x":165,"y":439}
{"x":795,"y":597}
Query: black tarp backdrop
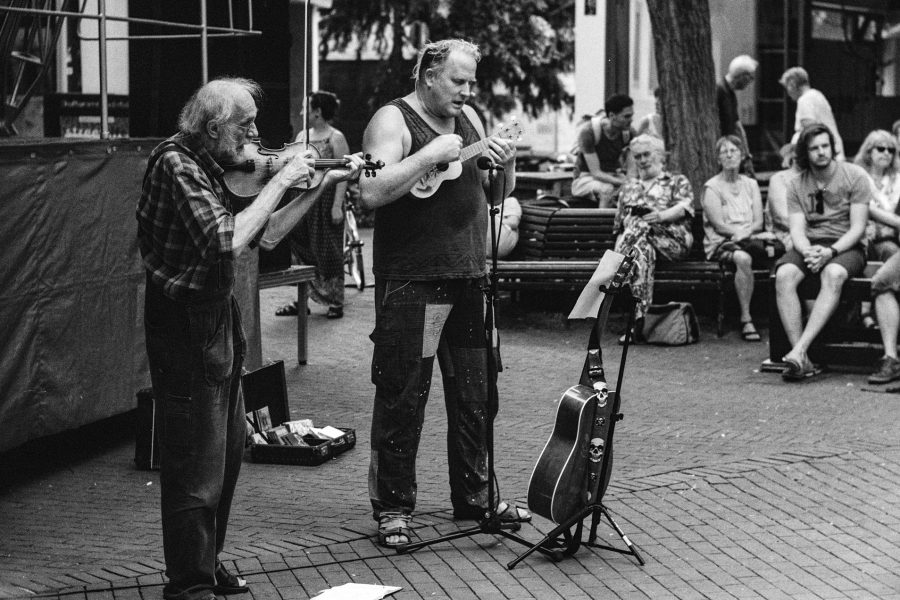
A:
{"x":71,"y":284}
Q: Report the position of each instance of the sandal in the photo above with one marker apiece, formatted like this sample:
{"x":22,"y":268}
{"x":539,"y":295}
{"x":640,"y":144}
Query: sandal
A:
{"x":748,"y":332}
{"x":795,"y":371}
{"x":394,"y":524}
{"x":507,"y":513}
{"x":288,"y":310}
{"x":334,"y":312}
{"x":868,"y":322}
{"x":510,"y":513}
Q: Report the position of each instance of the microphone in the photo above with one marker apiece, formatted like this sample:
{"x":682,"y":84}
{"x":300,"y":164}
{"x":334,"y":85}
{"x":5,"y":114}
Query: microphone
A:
{"x":485,"y":163}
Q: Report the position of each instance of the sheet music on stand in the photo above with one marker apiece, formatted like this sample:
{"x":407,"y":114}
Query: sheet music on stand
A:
{"x":588,"y":304}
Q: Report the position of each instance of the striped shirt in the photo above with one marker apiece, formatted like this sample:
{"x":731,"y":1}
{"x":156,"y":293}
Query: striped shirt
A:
{"x":185,"y":223}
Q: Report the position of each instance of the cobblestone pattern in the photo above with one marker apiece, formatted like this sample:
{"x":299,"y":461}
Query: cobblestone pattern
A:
{"x":732,"y":484}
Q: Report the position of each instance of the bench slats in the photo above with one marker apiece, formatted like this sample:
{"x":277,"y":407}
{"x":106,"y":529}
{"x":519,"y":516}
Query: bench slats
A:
{"x":559,"y":248}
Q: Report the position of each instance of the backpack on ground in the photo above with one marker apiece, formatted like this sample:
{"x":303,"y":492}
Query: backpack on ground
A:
{"x":672,"y":324}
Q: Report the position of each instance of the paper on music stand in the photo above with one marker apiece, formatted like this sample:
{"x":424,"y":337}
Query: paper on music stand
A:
{"x":357,"y":591}
{"x":588,"y":304}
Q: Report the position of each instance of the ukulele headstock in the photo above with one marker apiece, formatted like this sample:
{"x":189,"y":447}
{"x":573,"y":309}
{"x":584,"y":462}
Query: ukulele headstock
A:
{"x":512,"y":130}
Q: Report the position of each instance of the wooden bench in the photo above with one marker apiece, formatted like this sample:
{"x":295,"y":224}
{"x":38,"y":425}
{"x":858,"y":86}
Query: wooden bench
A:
{"x":559,"y":248}
{"x":843,"y":342}
{"x":299,"y":275}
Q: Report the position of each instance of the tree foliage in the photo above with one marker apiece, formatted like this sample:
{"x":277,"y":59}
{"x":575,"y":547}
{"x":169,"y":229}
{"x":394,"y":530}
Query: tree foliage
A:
{"x":525,"y":44}
{"x":687,"y":83}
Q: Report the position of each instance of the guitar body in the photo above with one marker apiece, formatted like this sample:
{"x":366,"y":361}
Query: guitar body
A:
{"x":431,"y":181}
{"x":565,"y":476}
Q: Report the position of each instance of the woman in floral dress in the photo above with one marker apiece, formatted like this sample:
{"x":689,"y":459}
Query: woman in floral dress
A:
{"x":654,"y":218}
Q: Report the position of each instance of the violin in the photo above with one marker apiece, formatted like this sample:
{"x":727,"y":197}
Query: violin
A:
{"x":257,"y":165}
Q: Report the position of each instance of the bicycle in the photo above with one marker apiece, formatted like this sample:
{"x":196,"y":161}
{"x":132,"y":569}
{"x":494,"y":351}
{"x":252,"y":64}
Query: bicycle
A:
{"x":353,"y":258}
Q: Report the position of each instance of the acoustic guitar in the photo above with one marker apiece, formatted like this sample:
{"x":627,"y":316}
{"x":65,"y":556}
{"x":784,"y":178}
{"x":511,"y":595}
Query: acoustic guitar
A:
{"x":566,"y":477}
{"x":432,"y":180}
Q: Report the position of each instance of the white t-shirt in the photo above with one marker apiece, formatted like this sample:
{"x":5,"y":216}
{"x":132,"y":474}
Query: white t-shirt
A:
{"x":813,"y":106}
{"x":508,"y":229}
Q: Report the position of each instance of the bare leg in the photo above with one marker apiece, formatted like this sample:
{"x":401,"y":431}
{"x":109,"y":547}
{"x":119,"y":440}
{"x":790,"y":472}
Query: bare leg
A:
{"x":887,"y":311}
{"x":743,"y":282}
{"x":833,"y":277}
{"x":787,"y":278}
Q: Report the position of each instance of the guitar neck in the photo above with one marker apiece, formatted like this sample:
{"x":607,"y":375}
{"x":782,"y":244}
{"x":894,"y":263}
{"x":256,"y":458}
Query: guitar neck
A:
{"x":473,"y":150}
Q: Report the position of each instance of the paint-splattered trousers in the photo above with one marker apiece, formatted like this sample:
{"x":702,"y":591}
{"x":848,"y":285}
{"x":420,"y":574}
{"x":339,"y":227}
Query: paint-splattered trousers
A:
{"x":414,"y":321}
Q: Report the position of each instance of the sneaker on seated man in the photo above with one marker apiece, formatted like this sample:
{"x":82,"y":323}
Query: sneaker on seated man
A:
{"x":885,"y":285}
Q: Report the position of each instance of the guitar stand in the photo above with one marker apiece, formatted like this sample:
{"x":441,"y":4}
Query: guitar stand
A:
{"x":561,"y":541}
{"x":491,"y":524}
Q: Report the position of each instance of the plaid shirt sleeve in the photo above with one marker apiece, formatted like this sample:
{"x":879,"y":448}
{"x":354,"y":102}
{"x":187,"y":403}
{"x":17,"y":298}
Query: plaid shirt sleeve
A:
{"x":184,"y":229}
{"x":208,"y":223}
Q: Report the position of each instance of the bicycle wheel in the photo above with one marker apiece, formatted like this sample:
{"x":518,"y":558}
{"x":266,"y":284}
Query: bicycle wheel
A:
{"x":353,"y":251}
{"x":357,"y":268}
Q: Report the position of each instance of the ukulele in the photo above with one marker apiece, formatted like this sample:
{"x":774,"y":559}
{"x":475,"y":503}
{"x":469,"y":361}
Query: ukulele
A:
{"x":432,"y":180}
{"x":258,"y":164}
{"x":567,"y":475}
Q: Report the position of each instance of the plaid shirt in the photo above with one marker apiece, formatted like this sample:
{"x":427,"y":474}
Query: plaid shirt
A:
{"x":184,"y":230}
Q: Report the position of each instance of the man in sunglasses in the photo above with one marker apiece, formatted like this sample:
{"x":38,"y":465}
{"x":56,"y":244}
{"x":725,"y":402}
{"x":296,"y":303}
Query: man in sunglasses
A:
{"x":828,"y":207}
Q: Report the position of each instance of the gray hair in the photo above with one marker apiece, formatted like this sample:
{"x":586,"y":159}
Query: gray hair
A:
{"x":656,"y":144}
{"x":795,"y":75}
{"x":434,"y":54}
{"x":215,"y":102}
{"x":742,"y":64}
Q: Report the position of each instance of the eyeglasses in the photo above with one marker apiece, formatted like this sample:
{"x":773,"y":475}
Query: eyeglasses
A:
{"x":819,"y":198}
{"x":890,"y":151}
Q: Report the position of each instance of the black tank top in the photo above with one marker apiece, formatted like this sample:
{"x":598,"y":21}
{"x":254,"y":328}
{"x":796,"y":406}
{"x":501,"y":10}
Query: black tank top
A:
{"x":440,"y":237}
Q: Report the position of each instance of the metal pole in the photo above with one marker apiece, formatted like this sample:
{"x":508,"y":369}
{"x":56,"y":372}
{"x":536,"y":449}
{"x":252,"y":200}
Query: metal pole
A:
{"x":785,"y":65}
{"x":204,"y":41}
{"x":104,"y":100}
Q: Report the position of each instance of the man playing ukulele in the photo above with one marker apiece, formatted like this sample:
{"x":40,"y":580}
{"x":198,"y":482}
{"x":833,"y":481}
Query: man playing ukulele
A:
{"x":429,"y":269}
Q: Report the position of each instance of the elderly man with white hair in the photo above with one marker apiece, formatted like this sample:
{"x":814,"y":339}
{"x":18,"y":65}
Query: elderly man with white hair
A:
{"x":741,"y":73}
{"x":812,"y":107}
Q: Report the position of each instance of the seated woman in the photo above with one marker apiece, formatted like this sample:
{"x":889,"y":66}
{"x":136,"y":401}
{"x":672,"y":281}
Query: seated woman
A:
{"x":733,"y":226}
{"x":653,"y":218}
{"x":776,"y":212}
{"x":878,"y":156}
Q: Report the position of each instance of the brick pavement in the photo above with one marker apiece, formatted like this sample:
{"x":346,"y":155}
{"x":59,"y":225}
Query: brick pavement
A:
{"x":732,"y":483}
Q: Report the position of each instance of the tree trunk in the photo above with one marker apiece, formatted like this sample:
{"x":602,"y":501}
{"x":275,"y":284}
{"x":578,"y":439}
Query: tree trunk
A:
{"x":687,"y":83}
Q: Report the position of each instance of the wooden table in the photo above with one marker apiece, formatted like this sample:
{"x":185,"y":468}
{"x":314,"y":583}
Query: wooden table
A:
{"x":531,"y":184}
{"x":300,"y":275}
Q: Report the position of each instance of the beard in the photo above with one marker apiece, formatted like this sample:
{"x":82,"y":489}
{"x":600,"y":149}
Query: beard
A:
{"x":227,"y":148}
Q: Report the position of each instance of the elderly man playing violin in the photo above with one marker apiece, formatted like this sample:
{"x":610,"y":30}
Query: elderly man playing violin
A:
{"x":429,"y":266}
{"x":188,"y":237}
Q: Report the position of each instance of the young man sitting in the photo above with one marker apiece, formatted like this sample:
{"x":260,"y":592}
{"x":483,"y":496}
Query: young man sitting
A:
{"x":828,"y":207}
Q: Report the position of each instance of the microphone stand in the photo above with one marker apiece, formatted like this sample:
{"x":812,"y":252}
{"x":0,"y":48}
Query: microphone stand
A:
{"x":491,"y":524}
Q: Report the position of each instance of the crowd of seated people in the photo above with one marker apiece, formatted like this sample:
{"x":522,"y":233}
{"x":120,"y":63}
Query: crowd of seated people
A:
{"x":821,"y":217}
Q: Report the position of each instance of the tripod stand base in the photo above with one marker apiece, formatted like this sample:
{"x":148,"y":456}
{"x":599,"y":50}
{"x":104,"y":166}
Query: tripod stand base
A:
{"x":492,"y":526}
{"x":572,"y":541}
